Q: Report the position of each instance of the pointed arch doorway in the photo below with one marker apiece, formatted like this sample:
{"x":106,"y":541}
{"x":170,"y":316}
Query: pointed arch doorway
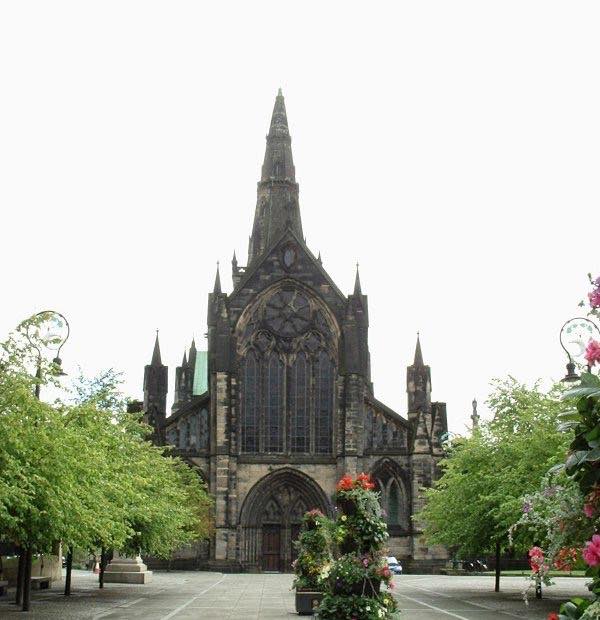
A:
{"x":271,"y":516}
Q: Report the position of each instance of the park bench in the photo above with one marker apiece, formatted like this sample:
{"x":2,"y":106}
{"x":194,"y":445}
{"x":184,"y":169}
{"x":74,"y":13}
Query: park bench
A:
{"x":40,"y":583}
{"x":3,"y":586}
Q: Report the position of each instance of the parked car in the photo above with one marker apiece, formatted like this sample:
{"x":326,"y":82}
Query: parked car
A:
{"x":394,"y":565}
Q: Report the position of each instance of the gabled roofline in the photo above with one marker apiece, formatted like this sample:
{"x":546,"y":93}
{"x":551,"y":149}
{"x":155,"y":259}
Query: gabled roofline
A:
{"x":396,"y":417}
{"x":196,"y":402}
{"x":250,"y":272}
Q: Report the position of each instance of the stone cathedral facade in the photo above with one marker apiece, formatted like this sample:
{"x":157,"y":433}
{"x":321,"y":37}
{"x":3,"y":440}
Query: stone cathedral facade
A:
{"x":282,"y":403}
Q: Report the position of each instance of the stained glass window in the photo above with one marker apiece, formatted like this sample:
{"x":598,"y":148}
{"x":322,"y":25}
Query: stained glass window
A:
{"x":323,"y":403}
{"x":250,"y":406}
{"x":287,"y":376}
{"x":274,"y":417}
{"x":300,"y":429}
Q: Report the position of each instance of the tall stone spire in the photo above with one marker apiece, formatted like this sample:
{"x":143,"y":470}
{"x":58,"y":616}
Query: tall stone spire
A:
{"x":277,"y":205}
{"x":418,"y":353}
{"x":418,"y":383}
{"x":192,"y":355}
{"x":156,"y":361}
{"x":217,"y":287}
{"x":357,"y":288}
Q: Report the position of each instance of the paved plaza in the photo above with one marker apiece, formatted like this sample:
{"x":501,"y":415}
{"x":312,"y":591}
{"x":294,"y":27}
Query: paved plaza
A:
{"x":207,"y":596}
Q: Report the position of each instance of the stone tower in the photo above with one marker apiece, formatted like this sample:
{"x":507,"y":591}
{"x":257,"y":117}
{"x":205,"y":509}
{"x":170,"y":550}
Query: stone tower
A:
{"x":155,"y":389}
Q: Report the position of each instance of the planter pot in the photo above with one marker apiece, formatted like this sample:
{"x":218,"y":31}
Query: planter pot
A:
{"x":347,"y":506}
{"x":307,"y":602}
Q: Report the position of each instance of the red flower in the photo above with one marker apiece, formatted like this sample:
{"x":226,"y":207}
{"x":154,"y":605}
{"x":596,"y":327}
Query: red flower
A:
{"x":553,"y":616}
{"x":566,"y":558}
{"x":346,"y":483}
{"x":364,"y":480}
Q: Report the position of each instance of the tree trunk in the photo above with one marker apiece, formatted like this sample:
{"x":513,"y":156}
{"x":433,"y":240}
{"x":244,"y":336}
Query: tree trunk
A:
{"x":538,"y":588}
{"x":27,"y":579}
{"x":498,"y":568}
{"x":20,"y":573}
{"x":69,"y":567}
{"x":102,"y":567}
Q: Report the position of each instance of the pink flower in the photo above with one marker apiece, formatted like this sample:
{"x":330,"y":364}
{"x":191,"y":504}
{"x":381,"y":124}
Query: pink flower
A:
{"x":536,"y":559}
{"x":592,"y":352}
{"x":594,"y":298}
{"x":536,"y":552}
{"x":365,"y":562}
{"x":589,"y":511}
{"x":591,"y":553}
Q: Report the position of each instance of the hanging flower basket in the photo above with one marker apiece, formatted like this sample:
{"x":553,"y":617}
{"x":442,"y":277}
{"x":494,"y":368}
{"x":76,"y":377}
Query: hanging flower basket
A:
{"x":349,"y":545}
{"x":347,"y":506}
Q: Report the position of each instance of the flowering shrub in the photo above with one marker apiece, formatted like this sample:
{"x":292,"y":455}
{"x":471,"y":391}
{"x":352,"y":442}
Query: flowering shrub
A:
{"x":594,"y":295}
{"x":367,"y":570}
{"x":356,"y":607}
{"x":353,"y":586}
{"x":314,"y":552}
{"x":566,"y":558}
{"x":579,"y":523}
{"x":592,"y":352}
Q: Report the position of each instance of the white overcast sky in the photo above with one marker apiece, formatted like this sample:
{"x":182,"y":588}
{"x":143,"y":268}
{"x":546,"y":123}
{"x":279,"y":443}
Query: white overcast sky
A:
{"x":450,"y":147}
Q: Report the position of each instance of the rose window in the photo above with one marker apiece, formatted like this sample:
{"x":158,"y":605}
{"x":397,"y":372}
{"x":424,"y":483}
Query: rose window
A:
{"x":288,"y":313}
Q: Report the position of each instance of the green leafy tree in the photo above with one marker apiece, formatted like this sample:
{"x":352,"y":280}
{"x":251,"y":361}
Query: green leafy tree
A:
{"x":485,"y":476}
{"x":84,"y":472}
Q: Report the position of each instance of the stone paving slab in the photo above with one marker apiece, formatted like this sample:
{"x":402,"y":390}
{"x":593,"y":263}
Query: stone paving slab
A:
{"x":186,"y":595}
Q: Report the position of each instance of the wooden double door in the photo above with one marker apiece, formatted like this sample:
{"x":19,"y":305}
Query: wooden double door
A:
{"x":280,"y":525}
{"x":278,"y":549}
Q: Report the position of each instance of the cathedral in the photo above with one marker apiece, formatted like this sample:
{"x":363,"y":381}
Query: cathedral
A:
{"x":281,"y":405}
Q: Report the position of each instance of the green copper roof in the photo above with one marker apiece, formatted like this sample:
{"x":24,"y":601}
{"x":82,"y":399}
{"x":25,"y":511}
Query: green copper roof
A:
{"x":200,"y":373}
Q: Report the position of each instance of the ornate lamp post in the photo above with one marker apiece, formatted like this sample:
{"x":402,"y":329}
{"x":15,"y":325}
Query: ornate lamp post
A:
{"x":574,"y":335}
{"x":50,"y":331}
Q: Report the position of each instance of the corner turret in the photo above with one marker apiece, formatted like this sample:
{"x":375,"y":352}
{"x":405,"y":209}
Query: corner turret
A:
{"x":155,"y":389}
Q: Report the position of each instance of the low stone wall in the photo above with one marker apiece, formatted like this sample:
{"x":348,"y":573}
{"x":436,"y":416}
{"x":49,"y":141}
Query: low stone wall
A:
{"x":42,"y":566}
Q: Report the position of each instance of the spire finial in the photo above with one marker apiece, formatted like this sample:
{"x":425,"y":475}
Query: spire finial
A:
{"x":184,"y":360}
{"x":418,"y":353}
{"x":217,"y":287}
{"x":357,"y":288}
{"x":156,"y":361}
{"x":279,"y":93}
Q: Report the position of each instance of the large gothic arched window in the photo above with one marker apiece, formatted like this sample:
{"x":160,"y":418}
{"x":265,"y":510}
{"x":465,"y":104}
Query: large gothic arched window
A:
{"x":287,"y":350}
{"x":250,"y":405}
